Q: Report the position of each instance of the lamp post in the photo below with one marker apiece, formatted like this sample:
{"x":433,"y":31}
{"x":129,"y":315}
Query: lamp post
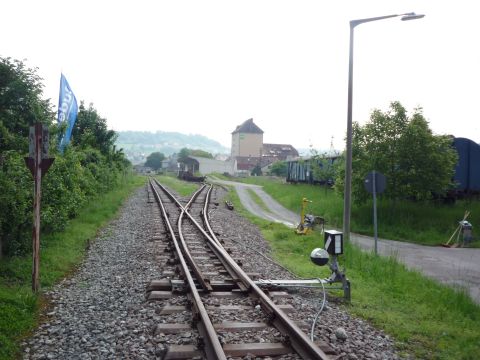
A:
{"x":348,"y":162}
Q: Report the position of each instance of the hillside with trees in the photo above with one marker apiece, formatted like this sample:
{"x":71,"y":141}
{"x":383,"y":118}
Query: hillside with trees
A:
{"x":137,"y":145}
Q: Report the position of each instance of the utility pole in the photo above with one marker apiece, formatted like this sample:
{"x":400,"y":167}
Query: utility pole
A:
{"x":38,"y":162}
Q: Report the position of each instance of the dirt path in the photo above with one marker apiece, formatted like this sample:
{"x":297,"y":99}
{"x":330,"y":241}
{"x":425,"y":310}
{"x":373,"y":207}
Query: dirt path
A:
{"x":457,"y":267}
{"x":275,"y":211}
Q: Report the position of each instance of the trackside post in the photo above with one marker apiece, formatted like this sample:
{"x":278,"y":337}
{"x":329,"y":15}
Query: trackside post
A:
{"x":38,"y":162}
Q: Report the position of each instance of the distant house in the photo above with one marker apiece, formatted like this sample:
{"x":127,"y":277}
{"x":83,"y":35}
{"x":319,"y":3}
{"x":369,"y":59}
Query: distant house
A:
{"x":249,"y":151}
{"x":279,"y":151}
{"x":142,"y":169}
{"x":205,"y":166}
{"x":245,"y":164}
{"x":170,"y":163}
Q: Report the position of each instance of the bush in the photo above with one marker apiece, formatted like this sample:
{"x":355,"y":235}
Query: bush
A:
{"x":70,"y":182}
{"x":89,"y":165}
{"x":16,"y":199}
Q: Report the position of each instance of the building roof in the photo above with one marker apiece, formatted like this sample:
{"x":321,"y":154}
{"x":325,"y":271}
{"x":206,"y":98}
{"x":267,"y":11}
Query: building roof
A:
{"x":249,"y":162}
{"x":208,"y":161}
{"x":280,"y":151}
{"x":248,"y":127}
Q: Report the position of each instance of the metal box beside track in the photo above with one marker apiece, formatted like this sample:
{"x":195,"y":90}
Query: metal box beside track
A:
{"x":334,"y":242}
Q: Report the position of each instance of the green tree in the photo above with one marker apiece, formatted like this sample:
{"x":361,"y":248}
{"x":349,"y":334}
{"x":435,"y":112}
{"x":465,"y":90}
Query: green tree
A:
{"x":16,"y":192}
{"x":426,"y":162}
{"x":323,"y":168}
{"x":201,"y":153}
{"x":183,"y":154}
{"x":256,"y":171}
{"x":21,"y":104}
{"x":416,"y":163}
{"x":91,"y":129}
{"x":154,"y":160}
{"x":279,"y":168}
{"x":90,"y":165}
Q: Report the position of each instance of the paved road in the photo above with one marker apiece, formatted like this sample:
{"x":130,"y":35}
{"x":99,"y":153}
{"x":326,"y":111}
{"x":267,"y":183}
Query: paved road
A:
{"x":458,"y":267}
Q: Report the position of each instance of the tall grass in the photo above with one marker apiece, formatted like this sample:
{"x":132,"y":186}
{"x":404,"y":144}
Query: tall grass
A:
{"x":427,"y":223}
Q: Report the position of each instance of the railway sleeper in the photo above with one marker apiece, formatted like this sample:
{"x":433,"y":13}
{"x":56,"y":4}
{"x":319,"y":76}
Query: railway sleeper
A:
{"x":172,"y":309}
{"x":257,"y":349}
{"x":202,"y":254}
{"x":172,"y":285}
{"x":279,"y":295}
{"x":162,"y":294}
{"x":224,"y":326}
{"x":157,"y":238}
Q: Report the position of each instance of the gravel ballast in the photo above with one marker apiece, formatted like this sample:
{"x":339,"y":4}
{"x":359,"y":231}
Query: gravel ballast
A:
{"x":100,"y":312}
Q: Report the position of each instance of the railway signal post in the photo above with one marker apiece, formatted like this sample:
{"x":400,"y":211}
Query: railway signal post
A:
{"x":38,"y":162}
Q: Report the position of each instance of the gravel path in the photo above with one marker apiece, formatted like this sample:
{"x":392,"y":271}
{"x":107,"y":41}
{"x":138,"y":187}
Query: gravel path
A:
{"x":100,"y":312}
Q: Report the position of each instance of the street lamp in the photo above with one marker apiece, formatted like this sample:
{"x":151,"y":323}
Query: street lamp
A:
{"x":348,"y":162}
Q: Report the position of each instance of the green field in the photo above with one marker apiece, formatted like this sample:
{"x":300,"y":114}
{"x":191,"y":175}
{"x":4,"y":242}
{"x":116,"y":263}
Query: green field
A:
{"x":427,"y":320}
{"x":181,"y":187}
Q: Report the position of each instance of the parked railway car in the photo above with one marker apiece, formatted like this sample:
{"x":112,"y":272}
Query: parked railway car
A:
{"x":466,"y":177}
{"x":188,"y":176}
{"x":467,"y":170}
{"x":301,"y":171}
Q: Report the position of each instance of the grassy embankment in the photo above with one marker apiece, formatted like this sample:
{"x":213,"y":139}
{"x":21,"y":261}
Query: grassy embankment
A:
{"x":428,"y":320}
{"x":60,"y":253}
{"x":422,"y":223}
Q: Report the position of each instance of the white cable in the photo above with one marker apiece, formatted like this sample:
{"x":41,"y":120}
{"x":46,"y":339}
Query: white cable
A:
{"x":319,"y":312}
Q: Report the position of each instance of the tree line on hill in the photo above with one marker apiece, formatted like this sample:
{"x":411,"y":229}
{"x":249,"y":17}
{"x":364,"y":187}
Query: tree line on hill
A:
{"x":90,"y":164}
{"x":154,"y":160}
{"x":138,"y":144}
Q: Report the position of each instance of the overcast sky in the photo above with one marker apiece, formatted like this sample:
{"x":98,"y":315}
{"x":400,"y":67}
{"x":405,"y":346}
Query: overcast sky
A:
{"x":204,"y":67}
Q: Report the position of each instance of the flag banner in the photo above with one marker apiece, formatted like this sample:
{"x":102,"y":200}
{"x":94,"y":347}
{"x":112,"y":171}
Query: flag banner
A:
{"x":67,"y":111}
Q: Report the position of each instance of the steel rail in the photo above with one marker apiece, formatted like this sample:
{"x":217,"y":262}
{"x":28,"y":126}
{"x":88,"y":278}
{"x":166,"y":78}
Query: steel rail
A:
{"x":204,"y":282}
{"x":300,"y":342}
{"x":221,"y":258}
{"x":206,"y":221}
{"x":213,"y":348}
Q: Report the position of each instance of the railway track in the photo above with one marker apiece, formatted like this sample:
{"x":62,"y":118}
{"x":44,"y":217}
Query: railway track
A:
{"x":208,"y":297}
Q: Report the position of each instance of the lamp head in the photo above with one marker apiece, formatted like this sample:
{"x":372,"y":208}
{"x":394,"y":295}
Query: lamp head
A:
{"x":412,"y":16}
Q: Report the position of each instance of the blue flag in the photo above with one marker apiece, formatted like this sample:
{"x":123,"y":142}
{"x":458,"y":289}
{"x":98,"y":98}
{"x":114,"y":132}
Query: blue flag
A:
{"x":67,"y":111}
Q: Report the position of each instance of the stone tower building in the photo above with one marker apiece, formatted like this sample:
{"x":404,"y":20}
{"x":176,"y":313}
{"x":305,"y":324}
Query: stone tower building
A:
{"x":247,"y":140}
